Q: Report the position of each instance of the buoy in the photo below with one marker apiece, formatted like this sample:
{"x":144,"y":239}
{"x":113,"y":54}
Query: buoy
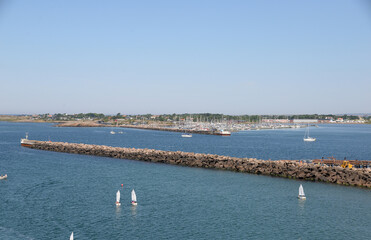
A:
{"x":122,"y":185}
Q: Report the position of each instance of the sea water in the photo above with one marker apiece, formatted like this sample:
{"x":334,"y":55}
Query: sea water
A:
{"x":48,"y":195}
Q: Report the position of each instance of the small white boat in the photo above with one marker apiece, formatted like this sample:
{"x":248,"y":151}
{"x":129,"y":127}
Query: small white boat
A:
{"x":223,"y":133}
{"x":306,"y":136}
{"x":309,"y":139}
{"x":118,"y":198}
{"x":121,"y":132}
{"x":71,"y":237}
{"x":187,"y":135}
{"x":3,"y":177}
{"x":112,"y":132}
{"x":301,"y":193}
{"x":25,"y":142}
{"x":133,"y":198}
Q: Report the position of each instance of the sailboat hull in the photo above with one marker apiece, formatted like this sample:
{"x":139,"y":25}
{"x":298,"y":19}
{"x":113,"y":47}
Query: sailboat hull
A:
{"x":309,"y":139}
{"x":302,"y":197}
{"x":134,"y":203}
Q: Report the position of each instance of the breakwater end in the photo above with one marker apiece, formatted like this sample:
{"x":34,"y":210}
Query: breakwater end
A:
{"x":279,"y":168}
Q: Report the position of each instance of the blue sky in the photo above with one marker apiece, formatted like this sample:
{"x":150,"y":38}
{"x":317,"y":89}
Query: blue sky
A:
{"x":231,"y":57}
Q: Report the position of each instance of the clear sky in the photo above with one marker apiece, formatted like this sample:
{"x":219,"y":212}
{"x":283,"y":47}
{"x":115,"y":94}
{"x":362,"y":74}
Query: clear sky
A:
{"x":166,"y":56}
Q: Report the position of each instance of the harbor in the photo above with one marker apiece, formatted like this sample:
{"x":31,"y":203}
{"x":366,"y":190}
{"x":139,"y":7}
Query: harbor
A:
{"x":360,"y":177}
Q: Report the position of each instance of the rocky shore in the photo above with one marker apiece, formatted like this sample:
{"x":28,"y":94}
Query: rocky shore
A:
{"x":280,"y":168}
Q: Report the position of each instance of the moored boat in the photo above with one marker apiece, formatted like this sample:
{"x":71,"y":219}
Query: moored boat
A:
{"x":223,"y":133}
{"x":25,"y":142}
{"x":3,"y":177}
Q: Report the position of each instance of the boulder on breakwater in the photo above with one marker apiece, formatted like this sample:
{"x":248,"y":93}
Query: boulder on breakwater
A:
{"x":279,"y":168}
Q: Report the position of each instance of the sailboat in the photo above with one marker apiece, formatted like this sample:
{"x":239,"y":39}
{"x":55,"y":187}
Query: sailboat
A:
{"x":301,"y":193}
{"x":306,"y":136}
{"x":71,"y":237}
{"x":185,"y":134}
{"x":118,"y":198}
{"x":133,"y":198}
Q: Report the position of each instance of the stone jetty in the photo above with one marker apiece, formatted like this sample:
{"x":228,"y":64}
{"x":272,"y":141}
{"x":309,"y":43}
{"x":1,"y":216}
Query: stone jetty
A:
{"x":280,"y":168}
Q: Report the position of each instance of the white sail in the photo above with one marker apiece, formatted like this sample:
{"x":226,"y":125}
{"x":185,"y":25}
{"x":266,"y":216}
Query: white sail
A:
{"x":133,"y":196}
{"x":301,"y":191}
{"x":71,"y":237}
{"x":306,"y":136}
{"x":118,"y":196}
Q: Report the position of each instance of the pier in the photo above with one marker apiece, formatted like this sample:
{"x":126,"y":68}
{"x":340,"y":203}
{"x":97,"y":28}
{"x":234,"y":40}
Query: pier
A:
{"x":281,"y":168}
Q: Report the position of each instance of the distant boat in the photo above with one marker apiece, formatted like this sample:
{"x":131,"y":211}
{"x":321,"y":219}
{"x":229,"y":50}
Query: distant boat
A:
{"x":112,"y":132}
{"x":71,"y":237}
{"x":25,"y":142}
{"x":118,"y":198}
{"x":3,"y":177}
{"x":187,"y":135}
{"x":223,"y":133}
{"x":133,"y":198}
{"x":301,"y":193}
{"x":306,"y":136}
{"x":121,"y":132}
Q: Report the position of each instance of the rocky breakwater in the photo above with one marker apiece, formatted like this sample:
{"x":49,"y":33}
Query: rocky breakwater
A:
{"x":281,"y":168}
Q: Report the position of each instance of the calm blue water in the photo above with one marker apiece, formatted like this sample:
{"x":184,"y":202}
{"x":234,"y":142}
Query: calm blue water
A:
{"x":48,"y":195}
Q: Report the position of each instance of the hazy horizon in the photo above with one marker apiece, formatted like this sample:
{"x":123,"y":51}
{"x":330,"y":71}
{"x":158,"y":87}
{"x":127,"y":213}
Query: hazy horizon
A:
{"x":231,"y":57}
